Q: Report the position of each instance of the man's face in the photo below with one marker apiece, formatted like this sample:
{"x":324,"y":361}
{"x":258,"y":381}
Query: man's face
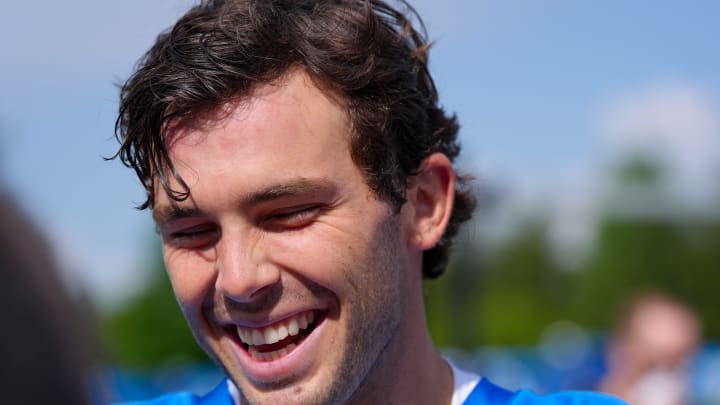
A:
{"x":290,"y":272}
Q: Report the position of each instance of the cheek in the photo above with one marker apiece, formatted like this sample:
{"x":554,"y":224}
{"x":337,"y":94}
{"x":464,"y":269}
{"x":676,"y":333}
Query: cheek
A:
{"x":192,"y":278}
{"x":322,"y":255}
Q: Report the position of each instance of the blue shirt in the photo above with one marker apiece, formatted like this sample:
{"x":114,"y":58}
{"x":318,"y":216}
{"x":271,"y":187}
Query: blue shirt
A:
{"x":484,"y":393}
{"x":487,"y":393}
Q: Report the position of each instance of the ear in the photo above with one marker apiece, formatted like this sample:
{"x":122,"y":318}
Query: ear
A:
{"x":430,"y":198}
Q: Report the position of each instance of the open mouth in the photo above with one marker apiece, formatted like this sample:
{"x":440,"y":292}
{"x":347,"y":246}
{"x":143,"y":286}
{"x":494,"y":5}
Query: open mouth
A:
{"x":278,"y":340}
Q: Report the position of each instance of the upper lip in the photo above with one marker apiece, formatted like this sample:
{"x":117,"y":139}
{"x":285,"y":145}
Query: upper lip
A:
{"x":262,"y":322}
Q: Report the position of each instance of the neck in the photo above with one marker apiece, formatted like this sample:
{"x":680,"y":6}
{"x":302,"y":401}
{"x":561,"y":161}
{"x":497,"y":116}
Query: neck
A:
{"x":411,"y":370}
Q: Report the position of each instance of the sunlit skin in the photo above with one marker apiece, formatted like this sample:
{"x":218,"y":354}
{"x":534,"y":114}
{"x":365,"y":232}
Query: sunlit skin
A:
{"x":281,"y":222}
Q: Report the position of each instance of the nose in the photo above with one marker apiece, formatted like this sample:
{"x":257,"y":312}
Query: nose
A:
{"x":244,"y":271}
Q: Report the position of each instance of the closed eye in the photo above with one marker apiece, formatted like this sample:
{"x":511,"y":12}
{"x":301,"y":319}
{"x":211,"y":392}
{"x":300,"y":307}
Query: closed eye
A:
{"x":196,"y":237}
{"x":292,"y":218}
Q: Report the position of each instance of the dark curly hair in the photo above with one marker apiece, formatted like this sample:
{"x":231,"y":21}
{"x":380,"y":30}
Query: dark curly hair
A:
{"x":364,"y":50}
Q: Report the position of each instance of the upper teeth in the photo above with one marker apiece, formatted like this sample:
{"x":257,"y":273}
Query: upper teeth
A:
{"x":277,"y":332}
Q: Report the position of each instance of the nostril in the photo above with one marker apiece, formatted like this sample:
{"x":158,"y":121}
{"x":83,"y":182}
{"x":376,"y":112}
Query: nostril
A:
{"x":258,"y":301}
{"x":244,"y":281}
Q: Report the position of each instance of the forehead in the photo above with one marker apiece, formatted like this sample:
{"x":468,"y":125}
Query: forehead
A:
{"x":295,"y":94}
{"x":284,"y":129}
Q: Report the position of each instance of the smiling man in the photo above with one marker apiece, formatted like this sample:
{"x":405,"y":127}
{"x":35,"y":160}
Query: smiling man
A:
{"x":300,"y":172}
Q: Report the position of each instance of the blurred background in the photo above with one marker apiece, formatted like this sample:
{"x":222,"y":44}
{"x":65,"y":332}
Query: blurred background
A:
{"x":592,"y":130}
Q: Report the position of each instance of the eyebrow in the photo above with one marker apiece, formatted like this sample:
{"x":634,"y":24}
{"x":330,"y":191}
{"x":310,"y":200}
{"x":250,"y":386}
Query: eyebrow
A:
{"x":301,"y":186}
{"x":295,"y":187}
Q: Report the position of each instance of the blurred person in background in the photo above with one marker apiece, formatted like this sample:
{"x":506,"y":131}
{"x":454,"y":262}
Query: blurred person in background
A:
{"x":44,"y":345}
{"x":299,"y":170}
{"x":650,"y":351}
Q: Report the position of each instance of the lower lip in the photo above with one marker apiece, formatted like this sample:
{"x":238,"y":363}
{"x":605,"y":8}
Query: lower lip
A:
{"x":293,"y":364}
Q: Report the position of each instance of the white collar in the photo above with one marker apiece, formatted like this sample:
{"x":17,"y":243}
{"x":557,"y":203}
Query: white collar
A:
{"x":464,"y":382}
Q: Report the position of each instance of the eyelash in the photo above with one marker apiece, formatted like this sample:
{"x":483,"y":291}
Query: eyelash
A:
{"x":191,"y":236}
{"x":294,"y":218}
{"x":291,"y":219}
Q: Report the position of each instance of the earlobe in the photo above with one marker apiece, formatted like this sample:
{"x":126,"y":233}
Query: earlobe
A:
{"x":431,"y":195}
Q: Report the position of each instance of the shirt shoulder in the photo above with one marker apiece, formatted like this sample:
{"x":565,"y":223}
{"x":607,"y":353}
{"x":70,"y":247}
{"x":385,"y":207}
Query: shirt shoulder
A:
{"x":565,"y":398}
{"x":173,"y":398}
{"x":220,"y":395}
{"x":487,"y":393}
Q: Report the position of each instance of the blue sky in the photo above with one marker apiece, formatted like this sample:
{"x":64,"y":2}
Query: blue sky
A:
{"x":548,"y":92}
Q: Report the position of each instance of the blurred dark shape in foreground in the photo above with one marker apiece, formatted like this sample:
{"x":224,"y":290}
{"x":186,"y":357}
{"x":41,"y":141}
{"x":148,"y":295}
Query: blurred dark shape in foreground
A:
{"x":44,"y":345}
{"x":650,"y":352}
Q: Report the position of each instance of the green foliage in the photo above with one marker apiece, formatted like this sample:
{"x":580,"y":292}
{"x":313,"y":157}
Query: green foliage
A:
{"x":507,"y":298}
{"x":630,"y":256}
{"x":517,"y":291}
{"x":447,"y":303}
{"x":682,"y":259}
{"x":509,"y":295}
{"x":150,"y":330}
{"x":640,"y":170}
